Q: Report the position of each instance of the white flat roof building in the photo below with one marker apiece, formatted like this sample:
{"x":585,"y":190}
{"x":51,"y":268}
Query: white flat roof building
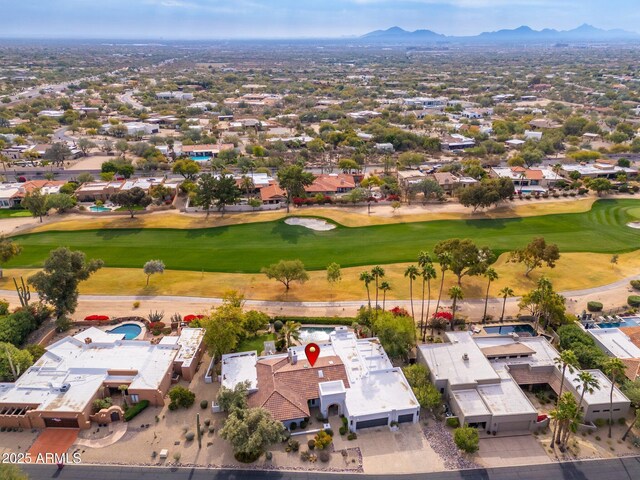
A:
{"x":614,"y":342}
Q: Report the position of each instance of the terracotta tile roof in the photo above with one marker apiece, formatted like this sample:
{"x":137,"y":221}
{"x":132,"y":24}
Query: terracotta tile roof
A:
{"x":272,"y":191}
{"x":331,"y":183}
{"x":633,"y":333}
{"x":285,"y":389}
{"x":633,"y":368}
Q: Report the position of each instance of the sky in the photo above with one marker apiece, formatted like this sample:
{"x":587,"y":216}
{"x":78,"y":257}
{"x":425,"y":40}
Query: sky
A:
{"x":216,"y":19}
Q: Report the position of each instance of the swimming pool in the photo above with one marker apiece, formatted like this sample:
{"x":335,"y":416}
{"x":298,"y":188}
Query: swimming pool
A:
{"x":130,"y":330}
{"x":627,"y":322}
{"x":315,"y":334}
{"x":96,"y":208}
{"x":523,"y":329}
{"x":200,"y":159}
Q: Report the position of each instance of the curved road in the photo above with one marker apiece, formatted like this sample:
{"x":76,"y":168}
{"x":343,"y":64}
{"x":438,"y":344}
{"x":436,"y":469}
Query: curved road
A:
{"x":627,"y":468}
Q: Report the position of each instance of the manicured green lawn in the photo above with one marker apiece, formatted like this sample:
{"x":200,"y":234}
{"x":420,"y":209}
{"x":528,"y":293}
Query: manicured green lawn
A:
{"x":10,"y":213}
{"x":255,"y":343}
{"x":248,"y":247}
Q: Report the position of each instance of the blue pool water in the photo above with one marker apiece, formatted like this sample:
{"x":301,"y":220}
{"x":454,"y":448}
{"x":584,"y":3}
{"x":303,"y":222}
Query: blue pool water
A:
{"x":200,"y":159}
{"x":628,"y":322}
{"x":315,"y":334}
{"x":95,"y":208}
{"x":507,"y":329}
{"x":130,"y":330}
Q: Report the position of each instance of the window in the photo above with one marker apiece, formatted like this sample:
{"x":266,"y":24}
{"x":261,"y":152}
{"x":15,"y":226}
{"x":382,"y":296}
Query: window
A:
{"x":616,"y":409}
{"x":135,"y":398}
{"x":596,"y":411}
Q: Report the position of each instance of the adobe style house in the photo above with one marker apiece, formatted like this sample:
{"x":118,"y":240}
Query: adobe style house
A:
{"x":209,"y":150}
{"x":331,"y":184}
{"x":482,"y":377}
{"x":528,"y":180}
{"x":59,"y":389}
{"x":352,"y":377}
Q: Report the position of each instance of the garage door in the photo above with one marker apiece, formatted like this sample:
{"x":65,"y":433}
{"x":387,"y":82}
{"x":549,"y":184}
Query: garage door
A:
{"x":61,"y":422}
{"x":376,"y":422}
{"x":514,"y":426}
{"x":408,"y":418}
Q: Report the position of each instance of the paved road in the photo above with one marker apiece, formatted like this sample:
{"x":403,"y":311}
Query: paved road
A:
{"x":616,"y":469}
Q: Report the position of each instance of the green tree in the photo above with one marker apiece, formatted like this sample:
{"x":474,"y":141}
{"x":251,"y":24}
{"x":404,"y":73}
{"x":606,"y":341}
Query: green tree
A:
{"x":60,"y":202}
{"x":223,"y":329}
{"x":397,"y":334}
{"x":334,"y":274}
{"x":377,"y":273}
{"x":293,"y":179}
{"x":385,"y":287}
{"x":600,"y":185}
{"x":464,"y":257}
{"x":427,"y":273}
{"x":426,"y":393}
{"x":205,"y":193}
{"x":255,"y":321}
{"x":564,"y":417}
{"x":491,"y":276}
{"x":8,"y":250}
{"x":11,"y":472}
{"x":544,"y":303}
{"x":235,"y":398}
{"x":250,"y":431}
{"x":36,"y":203}
{"x":286,"y":271}
{"x":131,"y":200}
{"x":430,"y":189}
{"x":411,"y":273}
{"x":181,"y":397}
{"x":505,"y":293}
{"x":467,"y":439}
{"x":367,"y":278}
{"x":225,"y":192}
{"x":455,"y":294}
{"x":614,"y":367}
{"x":57,"y":283}
{"x":188,"y":168}
{"x":152,"y":267}
{"x":13,"y":362}
{"x":84,"y":144}
{"x":535,"y":254}
{"x":57,"y":153}
{"x":290,"y":333}
{"x":444,"y":259}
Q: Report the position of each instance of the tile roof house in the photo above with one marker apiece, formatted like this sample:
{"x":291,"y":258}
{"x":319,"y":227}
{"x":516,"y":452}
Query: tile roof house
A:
{"x":331,"y":184}
{"x":273,"y":194}
{"x":352,"y":377}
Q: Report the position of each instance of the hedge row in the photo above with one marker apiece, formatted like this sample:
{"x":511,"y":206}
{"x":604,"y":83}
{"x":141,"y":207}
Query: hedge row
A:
{"x":348,"y":321}
{"x":634,"y":300}
{"x":135,"y":410}
{"x":594,"y":306}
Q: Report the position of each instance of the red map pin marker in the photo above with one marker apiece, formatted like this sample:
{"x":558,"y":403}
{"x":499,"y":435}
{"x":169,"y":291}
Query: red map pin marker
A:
{"x":312,"y":351}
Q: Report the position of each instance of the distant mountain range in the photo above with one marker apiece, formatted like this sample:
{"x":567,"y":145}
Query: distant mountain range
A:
{"x":584,"y":33}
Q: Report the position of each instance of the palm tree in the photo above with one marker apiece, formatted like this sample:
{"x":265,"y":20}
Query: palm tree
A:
{"x":428,"y":273}
{"x":290,"y":331}
{"x":444,"y":259}
{"x":377,"y":273}
{"x":411,"y":273}
{"x":504,"y":293}
{"x":385,"y":287}
{"x":491,"y":275}
{"x":613,"y":367}
{"x":588,"y":383}
{"x":247,"y":183}
{"x":367,"y":279}
{"x":424,"y":259}
{"x":566,"y":360}
{"x":455,"y":294}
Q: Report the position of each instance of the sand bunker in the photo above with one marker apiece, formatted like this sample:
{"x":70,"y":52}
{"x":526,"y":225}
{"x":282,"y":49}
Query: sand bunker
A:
{"x":310,"y":223}
{"x":634,"y":224}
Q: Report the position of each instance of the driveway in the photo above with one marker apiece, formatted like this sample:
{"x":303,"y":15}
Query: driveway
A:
{"x":53,"y":440}
{"x":511,"y":451}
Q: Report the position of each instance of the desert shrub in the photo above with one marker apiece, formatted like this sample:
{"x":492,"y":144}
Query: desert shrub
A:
{"x":453,"y":422}
{"x":311,"y":444}
{"x":329,"y":432}
{"x":190,"y":436}
{"x":594,"y":306}
{"x":635,"y":284}
{"x":343,"y":430}
{"x":324,"y":456}
{"x":600,"y":422}
{"x":294,"y":445}
{"x":181,"y":397}
{"x":323,"y":440}
{"x":303,"y":424}
{"x":352,"y":436}
{"x":305,"y":456}
{"x":293,"y":426}
{"x":634,"y":300}
{"x":467,"y":439}
{"x":204,"y":404}
{"x":268,"y":455}
{"x":100,"y":403}
{"x":277,"y":325}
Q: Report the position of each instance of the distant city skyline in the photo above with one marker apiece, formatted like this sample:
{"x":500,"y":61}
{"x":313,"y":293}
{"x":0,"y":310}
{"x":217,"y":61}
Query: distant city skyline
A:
{"x":233,"y":19}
